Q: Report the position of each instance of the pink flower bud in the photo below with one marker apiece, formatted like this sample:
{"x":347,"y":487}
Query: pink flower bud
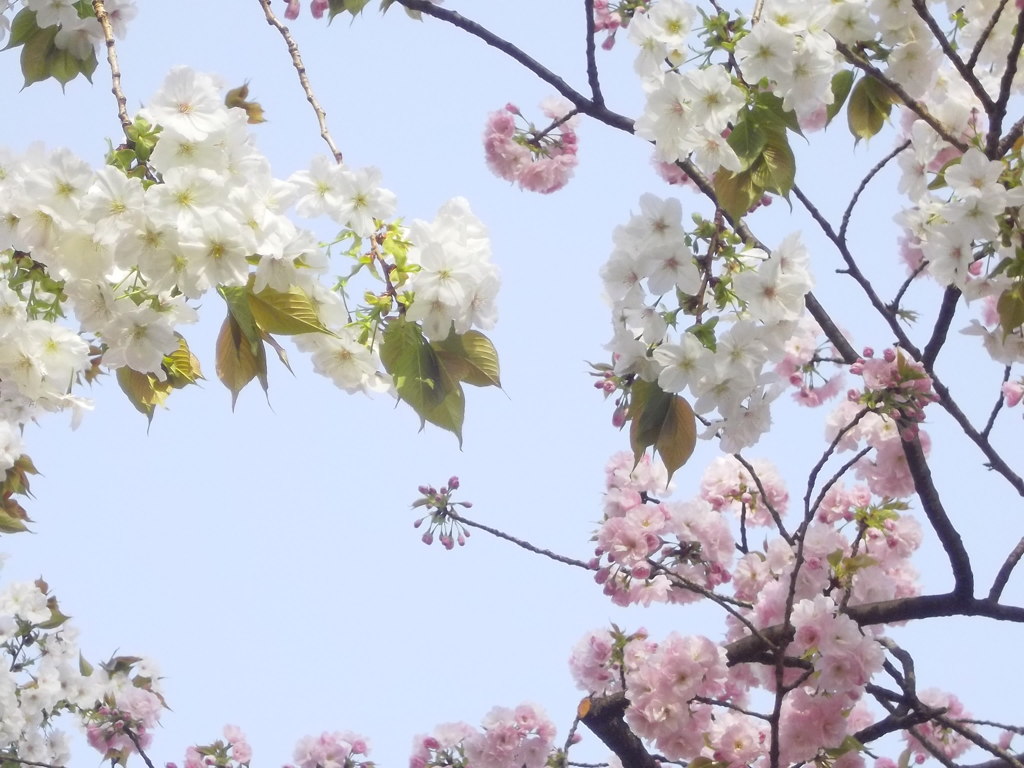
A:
{"x":619,"y":417}
{"x":427,"y":538}
{"x":889,"y":355}
{"x":453,"y":482}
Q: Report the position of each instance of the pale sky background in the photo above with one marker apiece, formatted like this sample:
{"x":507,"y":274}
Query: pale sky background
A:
{"x":266,"y":558}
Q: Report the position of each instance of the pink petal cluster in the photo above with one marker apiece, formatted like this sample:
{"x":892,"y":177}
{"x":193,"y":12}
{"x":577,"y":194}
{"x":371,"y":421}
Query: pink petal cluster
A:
{"x":520,"y":737}
{"x":537,"y":160}
{"x":341,"y":749}
{"x":661,"y":688}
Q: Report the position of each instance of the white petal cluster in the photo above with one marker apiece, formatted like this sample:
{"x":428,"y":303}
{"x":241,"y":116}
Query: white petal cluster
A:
{"x":456,"y":284}
{"x":650,"y":266}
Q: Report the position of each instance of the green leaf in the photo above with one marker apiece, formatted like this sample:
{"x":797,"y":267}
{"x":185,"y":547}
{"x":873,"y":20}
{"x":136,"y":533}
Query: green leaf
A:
{"x":842,"y":82}
{"x":772,"y":116}
{"x":237,"y":298}
{"x":11,"y":524}
{"x":870,"y":105}
{"x":23,"y":27}
{"x":470,"y":357}
{"x":663,"y":421}
{"x":1010,"y":307}
{"x":747,"y":140}
{"x":779,"y":166}
{"x":182,"y":366}
{"x":238,"y":362}
{"x":286,"y":313}
{"x":736,"y":192}
{"x":144,"y":390}
{"x":63,"y":66}
{"x":35,"y":55}
{"x":705,"y":332}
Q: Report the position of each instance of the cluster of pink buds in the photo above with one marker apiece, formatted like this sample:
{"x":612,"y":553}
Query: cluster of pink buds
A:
{"x":894,"y":386}
{"x":610,"y":17}
{"x":443,"y":521}
{"x":317,"y":7}
{"x":609,"y":383}
{"x":538,"y":160}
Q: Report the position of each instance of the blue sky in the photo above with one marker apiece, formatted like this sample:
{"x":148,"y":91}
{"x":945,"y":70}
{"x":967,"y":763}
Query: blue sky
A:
{"x":266,"y":558}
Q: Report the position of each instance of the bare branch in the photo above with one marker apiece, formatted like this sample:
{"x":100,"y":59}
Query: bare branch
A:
{"x":949,"y":537}
{"x":985,"y":34}
{"x":115,"y":70}
{"x":521,"y":543}
{"x":592,"y":76}
{"x":845,"y":223}
{"x":300,"y":68}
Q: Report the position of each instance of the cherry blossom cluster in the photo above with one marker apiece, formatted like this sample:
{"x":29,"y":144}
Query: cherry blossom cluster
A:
{"x":522,"y":737}
{"x":538,"y":160}
{"x":127,"y":251}
{"x":234,"y":751}
{"x":44,"y":681}
{"x":656,"y":283}
{"x":682,"y":696}
{"x":886,"y":412}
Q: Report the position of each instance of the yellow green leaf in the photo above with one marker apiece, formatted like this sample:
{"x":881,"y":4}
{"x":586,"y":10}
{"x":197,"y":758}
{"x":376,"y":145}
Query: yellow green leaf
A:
{"x":144,"y":390}
{"x":470,"y":357}
{"x":285,"y":312}
{"x":237,"y":363}
{"x":663,"y":422}
{"x":182,"y":366}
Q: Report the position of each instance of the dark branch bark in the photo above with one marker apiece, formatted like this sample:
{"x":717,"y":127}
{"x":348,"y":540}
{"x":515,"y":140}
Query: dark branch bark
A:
{"x":606,"y":719}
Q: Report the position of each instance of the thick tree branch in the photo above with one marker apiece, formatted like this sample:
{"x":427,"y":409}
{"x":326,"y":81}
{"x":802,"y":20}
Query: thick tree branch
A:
{"x":605,"y":717}
{"x":947,"y":309}
{"x":934,"y":510}
{"x":903,"y":609}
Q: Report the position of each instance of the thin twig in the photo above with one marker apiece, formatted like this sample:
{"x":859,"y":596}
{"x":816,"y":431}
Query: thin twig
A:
{"x":996,"y":115}
{"x":138,"y":747}
{"x":985,"y":34}
{"x":521,"y":543}
{"x":997,"y":407}
{"x":115,"y":70}
{"x":300,"y":68}
{"x":776,"y":517}
{"x":5,"y":758}
{"x":1003,"y":576}
{"x":845,"y":223}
